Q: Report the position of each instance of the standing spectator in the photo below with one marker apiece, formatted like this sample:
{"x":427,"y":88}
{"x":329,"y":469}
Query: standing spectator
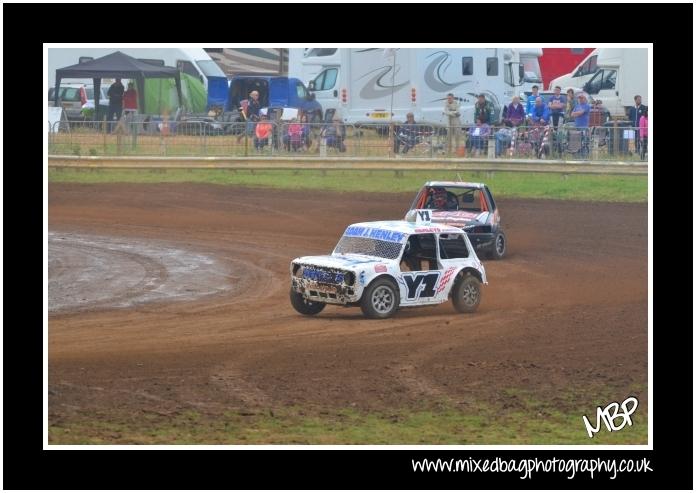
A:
{"x":557,"y":104}
{"x":115,"y":94}
{"x":581,"y":113}
{"x":531,"y":100}
{"x":483,"y":110}
{"x":263,"y":130}
{"x":570,"y":105}
{"x":250,"y":112}
{"x":130,"y":99}
{"x":643,"y":125}
{"x":513,"y":116}
{"x":634,"y":114}
{"x":540,"y":112}
{"x":453,"y":122}
{"x":478,"y":136}
{"x":295,"y":137}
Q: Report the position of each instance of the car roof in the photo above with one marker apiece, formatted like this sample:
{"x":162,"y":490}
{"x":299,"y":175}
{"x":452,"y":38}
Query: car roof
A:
{"x":463,"y":184}
{"x":407,"y":227}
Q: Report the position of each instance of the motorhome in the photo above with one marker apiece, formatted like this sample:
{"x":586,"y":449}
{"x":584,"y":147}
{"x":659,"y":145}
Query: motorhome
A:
{"x":374,"y":85}
{"x":192,"y":61}
{"x":529,"y":59}
{"x":622,"y":73}
{"x":580,"y":74}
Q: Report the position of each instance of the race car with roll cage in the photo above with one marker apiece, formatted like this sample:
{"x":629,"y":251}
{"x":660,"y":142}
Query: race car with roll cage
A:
{"x":385,"y":265}
{"x":469,"y":206}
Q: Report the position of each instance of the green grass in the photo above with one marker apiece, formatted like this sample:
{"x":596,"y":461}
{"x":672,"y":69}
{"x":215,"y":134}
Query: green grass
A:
{"x":528,"y":422}
{"x":503,"y":184}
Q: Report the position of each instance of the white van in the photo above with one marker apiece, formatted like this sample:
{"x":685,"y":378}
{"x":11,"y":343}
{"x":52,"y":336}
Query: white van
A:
{"x":373,"y":85}
{"x":580,"y":74}
{"x":622,"y":73}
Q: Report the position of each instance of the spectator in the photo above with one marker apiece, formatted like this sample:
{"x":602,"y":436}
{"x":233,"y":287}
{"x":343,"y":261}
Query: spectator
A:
{"x":514,"y":113}
{"x":295,"y":135}
{"x":634,"y":114}
{"x":557,"y":104}
{"x":570,"y":105}
{"x":581,"y":113}
{"x":531,"y":100}
{"x":643,"y":125}
{"x":453,"y":122}
{"x":513,"y":116}
{"x":478,"y":136}
{"x":406,"y":134}
{"x":483,"y":110}
{"x":335,"y":133}
{"x":130,"y":99}
{"x":540,"y":112}
{"x":250,"y":113}
{"x":115,"y":94}
{"x":262,"y":132}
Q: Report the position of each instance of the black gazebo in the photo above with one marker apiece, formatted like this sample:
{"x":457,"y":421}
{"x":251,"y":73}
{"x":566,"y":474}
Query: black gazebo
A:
{"x":117,"y":65}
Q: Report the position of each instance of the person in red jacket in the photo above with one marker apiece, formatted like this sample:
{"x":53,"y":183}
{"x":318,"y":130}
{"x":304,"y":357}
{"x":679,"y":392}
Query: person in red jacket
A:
{"x":130,"y":99}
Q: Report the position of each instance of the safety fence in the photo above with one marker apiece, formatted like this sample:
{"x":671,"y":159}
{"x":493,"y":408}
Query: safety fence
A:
{"x":145,"y":136}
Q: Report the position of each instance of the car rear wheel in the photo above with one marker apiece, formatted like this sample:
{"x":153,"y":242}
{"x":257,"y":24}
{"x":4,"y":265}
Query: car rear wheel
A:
{"x":499,"y":246}
{"x":466,"y":294}
{"x":303,"y":305}
{"x":380,"y":299}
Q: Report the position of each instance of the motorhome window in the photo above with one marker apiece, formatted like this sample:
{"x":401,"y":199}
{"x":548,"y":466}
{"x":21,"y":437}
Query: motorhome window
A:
{"x":321,"y":52}
{"x":187,"y":68}
{"x":210,"y":68}
{"x":467,"y":65}
{"x":592,"y":65}
{"x":492,"y":66}
{"x":84,"y":59}
{"x":326,"y":80}
{"x":213,"y":50}
{"x":453,"y":246}
{"x":597,"y":82}
{"x":152,"y":61}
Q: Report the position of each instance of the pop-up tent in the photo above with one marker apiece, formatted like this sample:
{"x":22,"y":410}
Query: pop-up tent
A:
{"x":117,"y":65}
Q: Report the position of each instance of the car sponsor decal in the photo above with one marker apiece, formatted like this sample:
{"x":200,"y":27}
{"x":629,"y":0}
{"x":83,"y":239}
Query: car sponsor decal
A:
{"x":421,"y":285}
{"x":380,"y":268}
{"x":320,"y":275}
{"x":375,"y":234}
{"x":445,"y":279}
{"x":427,"y":230}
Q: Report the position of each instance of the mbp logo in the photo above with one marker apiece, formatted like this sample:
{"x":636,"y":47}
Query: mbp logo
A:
{"x":609,"y":415}
{"x":421,"y":285}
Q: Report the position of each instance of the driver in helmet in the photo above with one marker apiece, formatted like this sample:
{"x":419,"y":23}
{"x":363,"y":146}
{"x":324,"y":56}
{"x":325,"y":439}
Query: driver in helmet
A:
{"x":440,"y":200}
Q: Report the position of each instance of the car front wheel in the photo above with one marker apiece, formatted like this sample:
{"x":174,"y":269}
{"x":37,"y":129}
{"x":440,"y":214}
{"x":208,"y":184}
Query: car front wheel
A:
{"x":466,"y":294}
{"x":499,"y":246}
{"x":303,"y":305}
{"x":380,"y":299}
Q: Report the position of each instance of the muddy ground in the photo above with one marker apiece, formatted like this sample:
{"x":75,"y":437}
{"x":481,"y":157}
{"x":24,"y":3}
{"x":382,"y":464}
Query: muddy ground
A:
{"x":565,"y":311}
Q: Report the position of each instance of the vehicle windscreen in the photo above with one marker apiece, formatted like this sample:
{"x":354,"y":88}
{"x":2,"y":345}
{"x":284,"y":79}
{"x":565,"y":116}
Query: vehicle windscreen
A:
{"x":451,"y":199}
{"x":368,"y":246}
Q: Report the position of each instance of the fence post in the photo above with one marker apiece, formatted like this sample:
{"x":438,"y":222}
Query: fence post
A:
{"x":322,"y":147}
{"x":491,"y":144}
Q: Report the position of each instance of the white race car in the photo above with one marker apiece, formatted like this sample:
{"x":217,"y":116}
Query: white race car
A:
{"x":381,"y":266}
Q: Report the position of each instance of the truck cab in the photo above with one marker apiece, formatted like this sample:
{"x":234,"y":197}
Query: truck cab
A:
{"x":274,"y":92}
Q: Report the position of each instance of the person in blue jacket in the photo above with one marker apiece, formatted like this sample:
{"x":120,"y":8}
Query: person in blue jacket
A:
{"x":540,"y":113}
{"x":531,"y":99}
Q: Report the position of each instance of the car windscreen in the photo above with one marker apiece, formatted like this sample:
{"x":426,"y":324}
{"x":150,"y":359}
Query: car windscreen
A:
{"x":443,"y":198}
{"x":368,"y":246}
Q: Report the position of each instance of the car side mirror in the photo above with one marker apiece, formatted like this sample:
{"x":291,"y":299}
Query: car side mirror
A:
{"x":311,"y":85}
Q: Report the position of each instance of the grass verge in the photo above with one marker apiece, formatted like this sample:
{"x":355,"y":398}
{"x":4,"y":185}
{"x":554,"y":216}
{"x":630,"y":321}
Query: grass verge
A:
{"x":526,"y":422}
{"x":503,"y":184}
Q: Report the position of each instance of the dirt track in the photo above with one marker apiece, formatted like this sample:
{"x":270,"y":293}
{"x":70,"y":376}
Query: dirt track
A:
{"x":566,"y":310}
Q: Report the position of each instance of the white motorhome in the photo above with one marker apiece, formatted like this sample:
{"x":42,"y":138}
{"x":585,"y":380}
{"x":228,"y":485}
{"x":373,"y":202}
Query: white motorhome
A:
{"x":622,"y":73}
{"x":580,"y":74}
{"x":192,"y":61}
{"x":373,"y":85}
{"x":529,"y":59}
